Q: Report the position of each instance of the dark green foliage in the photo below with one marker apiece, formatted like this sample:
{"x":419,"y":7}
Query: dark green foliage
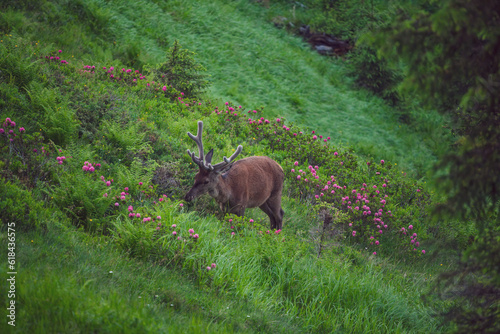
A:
{"x":375,"y":74}
{"x":343,"y":18}
{"x":474,"y":288}
{"x":26,"y":159}
{"x":468,"y":59}
{"x":22,"y":4}
{"x":453,"y":59}
{"x":181,"y":71}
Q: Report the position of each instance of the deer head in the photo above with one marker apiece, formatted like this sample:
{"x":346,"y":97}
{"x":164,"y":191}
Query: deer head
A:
{"x":207,"y":177}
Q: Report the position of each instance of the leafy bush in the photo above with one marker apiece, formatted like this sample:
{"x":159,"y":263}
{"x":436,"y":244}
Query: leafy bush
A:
{"x":119,"y":143}
{"x":375,"y":74}
{"x":181,"y":71}
{"x":377,"y":200}
{"x":19,"y":73}
{"x":84,"y":199}
{"x":18,"y":206}
{"x":342,"y":18}
{"x":24,"y":157}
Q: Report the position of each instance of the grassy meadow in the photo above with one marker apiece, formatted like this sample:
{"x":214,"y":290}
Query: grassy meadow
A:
{"x":94,"y":177}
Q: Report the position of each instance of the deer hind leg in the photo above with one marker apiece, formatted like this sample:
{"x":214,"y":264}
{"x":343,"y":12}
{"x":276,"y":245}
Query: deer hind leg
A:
{"x":265,"y":207}
{"x":274,"y":204}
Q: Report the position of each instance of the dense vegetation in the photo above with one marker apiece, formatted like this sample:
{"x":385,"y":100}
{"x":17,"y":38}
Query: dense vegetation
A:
{"x":95,"y":107}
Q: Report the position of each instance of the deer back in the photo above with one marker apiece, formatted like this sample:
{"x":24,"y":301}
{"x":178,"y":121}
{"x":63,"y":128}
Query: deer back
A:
{"x":251,"y":181}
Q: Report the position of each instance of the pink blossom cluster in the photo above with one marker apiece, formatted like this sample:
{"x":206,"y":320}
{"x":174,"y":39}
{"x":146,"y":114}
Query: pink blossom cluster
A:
{"x":180,"y":99}
{"x":413,"y":238}
{"x":193,"y":235}
{"x":57,"y":58}
{"x":320,"y":137}
{"x":126,"y":75}
{"x":230,"y":111}
{"x":108,"y":183}
{"x":60,"y":160}
{"x":89,"y":69}
{"x":89,"y":167}
{"x":9,"y":132}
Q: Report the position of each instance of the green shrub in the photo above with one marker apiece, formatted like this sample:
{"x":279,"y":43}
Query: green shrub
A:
{"x":22,"y":155}
{"x":18,"y":206}
{"x":181,"y":71}
{"x":375,"y":74}
{"x":84,"y":199}
{"x":120,"y":143}
{"x":17,"y":63}
{"x":342,"y":18}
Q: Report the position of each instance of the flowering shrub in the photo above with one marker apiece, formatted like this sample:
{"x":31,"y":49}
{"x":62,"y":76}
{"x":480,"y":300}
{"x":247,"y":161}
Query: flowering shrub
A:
{"x":132,"y":78}
{"x":123,"y":75}
{"x":55,"y":57}
{"x":368,"y":205}
{"x":181,"y":72}
{"x":25,"y":157}
{"x":376,"y":200}
{"x":19,"y":206}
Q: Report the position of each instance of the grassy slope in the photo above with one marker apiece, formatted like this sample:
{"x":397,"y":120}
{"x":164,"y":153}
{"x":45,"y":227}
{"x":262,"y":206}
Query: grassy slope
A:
{"x":255,"y":64}
{"x":342,"y":290}
{"x":248,"y":59}
{"x":260,"y":285}
{"x":65,"y":285}
{"x":366,"y":299}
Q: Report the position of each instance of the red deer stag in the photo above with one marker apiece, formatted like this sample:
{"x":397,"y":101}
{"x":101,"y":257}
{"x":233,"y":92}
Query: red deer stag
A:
{"x":247,"y":183}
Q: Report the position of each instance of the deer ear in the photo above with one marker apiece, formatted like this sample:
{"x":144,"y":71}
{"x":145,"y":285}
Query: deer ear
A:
{"x":208,"y":157}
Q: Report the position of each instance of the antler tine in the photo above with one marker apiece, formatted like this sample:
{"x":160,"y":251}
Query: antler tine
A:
{"x":227,"y":161}
{"x":198,"y":140}
{"x":234,"y":155}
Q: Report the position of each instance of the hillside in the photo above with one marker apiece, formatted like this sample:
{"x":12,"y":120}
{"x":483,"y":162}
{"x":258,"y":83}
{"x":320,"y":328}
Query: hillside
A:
{"x":95,"y":169}
{"x":247,"y":58}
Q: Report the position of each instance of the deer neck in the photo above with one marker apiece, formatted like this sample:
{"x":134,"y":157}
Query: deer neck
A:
{"x":221,"y":191}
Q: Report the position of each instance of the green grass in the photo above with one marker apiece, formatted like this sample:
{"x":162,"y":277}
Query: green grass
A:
{"x":64,"y":285}
{"x":253,"y":64}
{"x":262,"y":283}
